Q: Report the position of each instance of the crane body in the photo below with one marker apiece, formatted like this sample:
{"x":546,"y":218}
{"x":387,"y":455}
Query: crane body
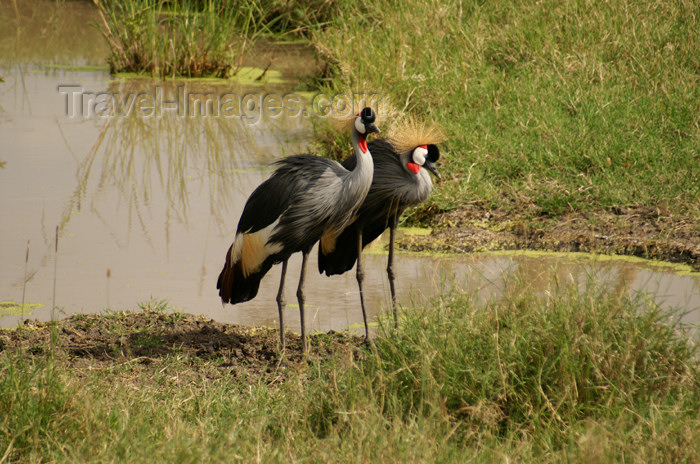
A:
{"x":306,"y":198}
{"x":401,"y":180}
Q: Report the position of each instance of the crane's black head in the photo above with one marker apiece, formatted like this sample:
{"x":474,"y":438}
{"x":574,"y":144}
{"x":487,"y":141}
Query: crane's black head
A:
{"x":433,"y":153}
{"x":364,"y":123}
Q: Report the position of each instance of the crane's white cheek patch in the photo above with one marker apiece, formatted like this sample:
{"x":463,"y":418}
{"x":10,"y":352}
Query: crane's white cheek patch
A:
{"x":254,"y":249}
{"x":419,"y":155}
{"x":359,"y":126}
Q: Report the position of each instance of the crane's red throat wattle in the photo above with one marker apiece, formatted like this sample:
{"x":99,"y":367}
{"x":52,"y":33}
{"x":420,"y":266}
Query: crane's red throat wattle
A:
{"x":413,"y":167}
{"x":363,"y":144}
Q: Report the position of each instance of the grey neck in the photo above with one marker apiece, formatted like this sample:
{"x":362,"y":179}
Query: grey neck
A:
{"x":365,"y":165}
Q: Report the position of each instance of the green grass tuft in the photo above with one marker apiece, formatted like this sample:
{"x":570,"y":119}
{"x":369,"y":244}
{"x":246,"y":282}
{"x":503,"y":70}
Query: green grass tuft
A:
{"x":530,"y":378}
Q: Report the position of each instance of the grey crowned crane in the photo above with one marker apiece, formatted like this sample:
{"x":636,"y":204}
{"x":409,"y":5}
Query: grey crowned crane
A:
{"x":401,"y":180}
{"x":306,"y":198}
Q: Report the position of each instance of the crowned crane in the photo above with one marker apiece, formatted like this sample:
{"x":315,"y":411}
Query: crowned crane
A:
{"x":306,"y":198}
{"x":401,"y":180}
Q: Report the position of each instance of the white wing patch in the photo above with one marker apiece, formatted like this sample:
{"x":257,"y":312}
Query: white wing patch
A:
{"x":251,"y":249}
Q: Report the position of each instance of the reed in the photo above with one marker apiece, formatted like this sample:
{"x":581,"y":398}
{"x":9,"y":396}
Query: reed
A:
{"x":25,"y":280}
{"x":185,"y":38}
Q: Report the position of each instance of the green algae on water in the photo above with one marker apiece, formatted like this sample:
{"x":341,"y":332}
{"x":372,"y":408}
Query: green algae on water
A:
{"x":12,"y":308}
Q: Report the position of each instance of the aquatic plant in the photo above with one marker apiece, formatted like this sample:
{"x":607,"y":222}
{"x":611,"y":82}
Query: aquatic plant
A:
{"x":186,"y":38}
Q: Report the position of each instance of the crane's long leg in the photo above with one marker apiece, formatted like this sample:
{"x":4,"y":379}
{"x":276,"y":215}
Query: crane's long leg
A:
{"x":390,"y":272}
{"x":300,"y":298}
{"x":281,"y":303}
{"x":360,"y":279}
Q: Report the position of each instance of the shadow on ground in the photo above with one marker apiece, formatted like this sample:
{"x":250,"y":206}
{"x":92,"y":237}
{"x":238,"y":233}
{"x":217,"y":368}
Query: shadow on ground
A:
{"x":151,"y":336}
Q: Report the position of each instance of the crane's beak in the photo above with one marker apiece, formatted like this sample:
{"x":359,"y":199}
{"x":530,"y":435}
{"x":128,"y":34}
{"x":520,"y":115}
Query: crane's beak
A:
{"x":430,"y":166}
{"x":371,"y":128}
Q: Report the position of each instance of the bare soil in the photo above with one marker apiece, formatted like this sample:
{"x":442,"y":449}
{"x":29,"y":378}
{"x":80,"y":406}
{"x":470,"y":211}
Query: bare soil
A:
{"x":147,"y":338}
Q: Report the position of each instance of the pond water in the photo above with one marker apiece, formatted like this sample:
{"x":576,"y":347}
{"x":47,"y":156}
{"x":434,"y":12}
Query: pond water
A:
{"x":146,"y":194}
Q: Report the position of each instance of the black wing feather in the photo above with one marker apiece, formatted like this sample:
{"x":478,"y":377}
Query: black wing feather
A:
{"x":274,"y":196}
{"x":267,"y":202}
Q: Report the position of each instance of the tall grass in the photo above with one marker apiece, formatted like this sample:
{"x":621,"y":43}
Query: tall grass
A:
{"x":575,"y":376}
{"x":551,"y":106}
{"x":529,"y":377}
{"x":187,"y":38}
{"x":34,"y":399}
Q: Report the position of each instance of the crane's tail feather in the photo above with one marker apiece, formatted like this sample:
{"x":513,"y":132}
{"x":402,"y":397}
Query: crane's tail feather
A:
{"x":341,"y":260}
{"x":234,"y":287}
{"x":343,"y":256}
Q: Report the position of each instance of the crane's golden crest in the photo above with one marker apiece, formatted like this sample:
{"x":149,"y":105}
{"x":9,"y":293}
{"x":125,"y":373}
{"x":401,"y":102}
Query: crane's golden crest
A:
{"x":346,"y":124}
{"x":409,"y":134}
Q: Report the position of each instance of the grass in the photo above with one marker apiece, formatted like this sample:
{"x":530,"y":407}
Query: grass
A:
{"x":187,"y":38}
{"x":574,"y":376}
{"x":551,"y":106}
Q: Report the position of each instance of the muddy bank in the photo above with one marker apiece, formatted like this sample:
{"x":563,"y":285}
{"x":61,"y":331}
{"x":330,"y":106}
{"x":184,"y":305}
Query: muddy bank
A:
{"x":644,"y":232}
{"x":146,"y":339}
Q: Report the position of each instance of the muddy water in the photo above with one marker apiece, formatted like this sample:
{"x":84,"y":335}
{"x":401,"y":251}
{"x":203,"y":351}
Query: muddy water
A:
{"x":146,"y":195}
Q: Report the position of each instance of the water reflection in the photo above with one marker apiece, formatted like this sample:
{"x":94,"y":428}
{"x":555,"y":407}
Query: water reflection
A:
{"x":158,"y":162}
{"x":46,"y":32}
{"x":145,"y":205}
